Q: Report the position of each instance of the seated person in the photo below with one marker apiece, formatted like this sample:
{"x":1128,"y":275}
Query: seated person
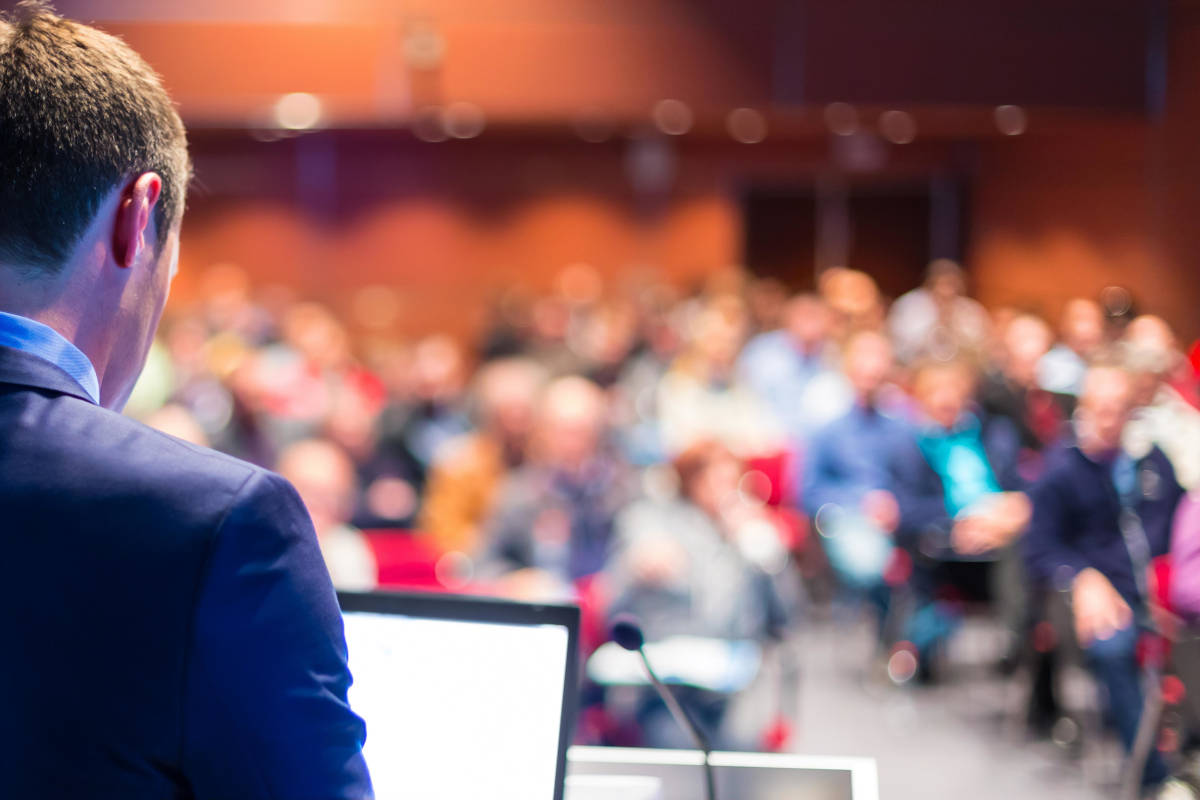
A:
{"x":1099,"y":517}
{"x":793,"y":369}
{"x":1011,"y":390}
{"x":961,"y":507}
{"x":702,"y":396}
{"x":325,"y":479}
{"x":696,"y":565}
{"x":467,"y":471}
{"x":847,"y":487}
{"x":553,"y":519}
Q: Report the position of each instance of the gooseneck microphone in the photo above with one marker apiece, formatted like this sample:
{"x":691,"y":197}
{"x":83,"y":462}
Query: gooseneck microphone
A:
{"x":627,"y":632}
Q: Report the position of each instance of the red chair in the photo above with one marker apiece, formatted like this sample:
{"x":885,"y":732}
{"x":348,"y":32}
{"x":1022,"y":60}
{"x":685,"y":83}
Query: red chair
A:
{"x":405,"y":560}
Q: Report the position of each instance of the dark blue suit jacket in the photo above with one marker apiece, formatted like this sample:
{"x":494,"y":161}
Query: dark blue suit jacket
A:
{"x":169,"y":628}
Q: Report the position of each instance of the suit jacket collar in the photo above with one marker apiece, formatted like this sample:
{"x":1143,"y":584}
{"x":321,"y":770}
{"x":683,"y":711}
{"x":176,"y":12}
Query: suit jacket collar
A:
{"x":25,"y":369}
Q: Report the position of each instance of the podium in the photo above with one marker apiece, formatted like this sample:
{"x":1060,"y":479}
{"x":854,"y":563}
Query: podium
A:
{"x":739,"y":776}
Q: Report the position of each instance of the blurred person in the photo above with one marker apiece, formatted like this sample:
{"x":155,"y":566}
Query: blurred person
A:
{"x":766,"y":301}
{"x":847,"y":484}
{"x":853,"y":297}
{"x":702,"y":397}
{"x":961,"y":508}
{"x":635,"y":394}
{"x":793,"y":369}
{"x":325,"y":479}
{"x":938,"y":319}
{"x":1163,"y":381}
{"x":1010,"y":390}
{"x":1081,"y":334}
{"x":697,"y":565}
{"x":468,"y":471}
{"x":414,"y":429}
{"x":1099,"y":517}
{"x":187,"y":641}
{"x":606,"y":341}
{"x":227,"y":305}
{"x":175,"y":420}
{"x":552,"y":522}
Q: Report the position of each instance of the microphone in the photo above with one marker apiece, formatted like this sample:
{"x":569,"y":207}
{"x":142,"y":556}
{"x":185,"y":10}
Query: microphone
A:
{"x":627,"y":632}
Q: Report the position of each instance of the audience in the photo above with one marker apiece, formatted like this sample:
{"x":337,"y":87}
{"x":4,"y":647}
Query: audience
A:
{"x":538,"y":462}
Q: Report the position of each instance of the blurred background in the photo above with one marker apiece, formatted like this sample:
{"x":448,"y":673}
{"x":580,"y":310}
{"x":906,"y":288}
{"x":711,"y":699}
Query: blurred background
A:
{"x":562,"y":299}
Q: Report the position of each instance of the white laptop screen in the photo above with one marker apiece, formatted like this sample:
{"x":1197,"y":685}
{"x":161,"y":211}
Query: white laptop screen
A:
{"x":458,"y":710}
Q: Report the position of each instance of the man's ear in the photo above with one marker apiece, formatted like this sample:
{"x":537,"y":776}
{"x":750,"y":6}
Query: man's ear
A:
{"x":133,"y":217}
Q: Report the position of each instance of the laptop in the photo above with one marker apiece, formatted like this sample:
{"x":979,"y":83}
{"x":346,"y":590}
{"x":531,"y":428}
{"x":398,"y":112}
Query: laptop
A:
{"x":464,"y":697}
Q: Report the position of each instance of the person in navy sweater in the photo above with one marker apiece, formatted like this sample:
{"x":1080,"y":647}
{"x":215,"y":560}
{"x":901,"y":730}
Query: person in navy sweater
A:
{"x":170,"y":630}
{"x":1100,"y":514}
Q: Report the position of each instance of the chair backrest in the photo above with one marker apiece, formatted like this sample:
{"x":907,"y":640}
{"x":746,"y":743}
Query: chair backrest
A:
{"x":405,"y":559}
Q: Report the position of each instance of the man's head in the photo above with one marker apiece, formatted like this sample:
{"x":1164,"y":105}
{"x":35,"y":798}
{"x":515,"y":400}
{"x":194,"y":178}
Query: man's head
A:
{"x":1082,"y":326}
{"x":1104,"y":407}
{"x":867,"y":363}
{"x":945,"y":280}
{"x":93,"y":172}
{"x":808,"y":321}
{"x":571,"y":420}
{"x":944,"y":389}
{"x":506,"y":396}
{"x":325,"y":479}
{"x":1026,"y":340}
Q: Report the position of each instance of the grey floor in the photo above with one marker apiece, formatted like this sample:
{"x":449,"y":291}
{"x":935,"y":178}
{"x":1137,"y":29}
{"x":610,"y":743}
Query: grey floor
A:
{"x":962,"y":739}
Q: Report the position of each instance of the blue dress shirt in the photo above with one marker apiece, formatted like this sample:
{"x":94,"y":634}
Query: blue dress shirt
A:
{"x":22,"y":333}
{"x":852,"y":456}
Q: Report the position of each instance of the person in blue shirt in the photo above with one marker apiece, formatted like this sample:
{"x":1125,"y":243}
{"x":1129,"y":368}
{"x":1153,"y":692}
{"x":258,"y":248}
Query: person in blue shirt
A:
{"x":961,"y":508}
{"x":793,"y":372}
{"x":1100,"y":514}
{"x":847,"y":485}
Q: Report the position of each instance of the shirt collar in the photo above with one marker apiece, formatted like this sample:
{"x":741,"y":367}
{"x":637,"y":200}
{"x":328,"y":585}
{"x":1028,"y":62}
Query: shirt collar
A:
{"x":30,"y":336}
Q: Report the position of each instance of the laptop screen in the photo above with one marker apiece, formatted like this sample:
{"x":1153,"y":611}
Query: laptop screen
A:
{"x":463,"y":699}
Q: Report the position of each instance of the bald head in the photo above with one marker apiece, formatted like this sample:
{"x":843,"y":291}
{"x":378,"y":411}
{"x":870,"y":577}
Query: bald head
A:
{"x":571,"y":419}
{"x":1104,"y":407}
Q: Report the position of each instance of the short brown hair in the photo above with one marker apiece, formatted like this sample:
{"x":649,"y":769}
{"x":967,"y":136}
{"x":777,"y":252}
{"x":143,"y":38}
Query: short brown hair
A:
{"x":80,"y":112}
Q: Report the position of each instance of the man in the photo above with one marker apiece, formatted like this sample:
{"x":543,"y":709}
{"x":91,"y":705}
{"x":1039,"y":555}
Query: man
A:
{"x":324,"y":477}
{"x":1010,"y":390}
{"x":1099,"y":516}
{"x":791,"y":369}
{"x":552,"y":524}
{"x":847,"y":485}
{"x":169,"y":628}
{"x":468,"y":471}
{"x":961,"y":507}
{"x":937,"y":319}
{"x":1081,"y":333}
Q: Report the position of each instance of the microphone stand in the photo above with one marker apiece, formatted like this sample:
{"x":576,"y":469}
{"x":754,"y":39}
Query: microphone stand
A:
{"x":684,"y":721}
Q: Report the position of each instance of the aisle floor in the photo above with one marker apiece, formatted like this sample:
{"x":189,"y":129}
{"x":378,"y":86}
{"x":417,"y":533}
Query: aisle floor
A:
{"x":957,"y":740}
